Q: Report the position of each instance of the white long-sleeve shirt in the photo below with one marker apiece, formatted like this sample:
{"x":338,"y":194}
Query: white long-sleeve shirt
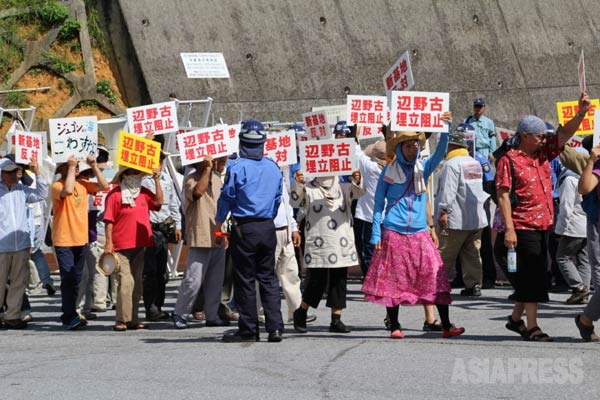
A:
{"x":571,"y":220}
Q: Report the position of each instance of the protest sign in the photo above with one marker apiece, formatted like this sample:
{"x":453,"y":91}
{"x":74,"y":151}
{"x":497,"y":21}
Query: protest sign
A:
{"x":328,"y":157}
{"x":419,"y":111}
{"x":154,"y":118}
{"x":29,"y":146}
{"x":138,"y":152}
{"x":76,"y":136}
{"x":399,"y":76}
{"x":503,"y":134}
{"x":204,"y":65}
{"x":233,"y":132}
{"x":566,"y":110}
{"x":197,"y":144}
{"x":366,"y":110}
{"x":581,"y":73}
{"x":315,"y":124}
{"x":98,"y":200}
{"x":281,"y":147}
{"x":575,"y":141}
{"x":596,"y":139}
{"x":365,"y":132}
{"x":9,"y":138}
{"x":302,"y":136}
{"x":333,"y":114}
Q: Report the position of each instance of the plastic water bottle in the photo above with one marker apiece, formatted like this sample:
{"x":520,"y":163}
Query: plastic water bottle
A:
{"x":511,"y":258}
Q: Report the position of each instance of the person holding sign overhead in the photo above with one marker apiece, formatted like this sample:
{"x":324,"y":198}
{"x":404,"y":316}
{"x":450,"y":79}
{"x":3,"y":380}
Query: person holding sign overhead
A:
{"x":128,"y":232}
{"x":407,"y":267}
{"x":70,"y":231}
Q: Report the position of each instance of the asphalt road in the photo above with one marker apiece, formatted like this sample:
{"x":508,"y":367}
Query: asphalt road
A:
{"x":487,"y":362}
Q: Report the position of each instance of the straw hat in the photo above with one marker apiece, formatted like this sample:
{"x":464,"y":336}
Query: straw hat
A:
{"x":108,"y":263}
{"x":117,"y":178}
{"x":403,"y":136}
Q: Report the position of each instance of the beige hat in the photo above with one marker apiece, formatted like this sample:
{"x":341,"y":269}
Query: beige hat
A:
{"x":108,"y":263}
{"x":403,"y":136}
{"x":376,"y":152}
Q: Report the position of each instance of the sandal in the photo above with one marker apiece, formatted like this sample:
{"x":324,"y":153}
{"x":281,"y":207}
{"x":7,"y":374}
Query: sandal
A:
{"x":434,"y":326}
{"x":120,"y":327}
{"x":135,"y":326}
{"x":535,"y":334}
{"x":516,"y":326}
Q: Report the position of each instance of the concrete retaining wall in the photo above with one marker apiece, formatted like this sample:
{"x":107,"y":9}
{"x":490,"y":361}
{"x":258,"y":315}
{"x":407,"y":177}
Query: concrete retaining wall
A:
{"x":285,"y":56}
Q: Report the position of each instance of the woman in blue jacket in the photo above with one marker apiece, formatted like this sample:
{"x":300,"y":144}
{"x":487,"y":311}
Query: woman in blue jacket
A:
{"x":407,"y":267}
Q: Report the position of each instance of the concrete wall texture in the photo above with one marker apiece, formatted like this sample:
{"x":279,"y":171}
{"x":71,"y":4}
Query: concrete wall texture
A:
{"x":285,"y":56}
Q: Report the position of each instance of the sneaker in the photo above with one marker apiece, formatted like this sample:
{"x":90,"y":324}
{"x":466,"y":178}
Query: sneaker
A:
{"x":309,"y":318}
{"x":339,"y":327}
{"x":179,"y":322}
{"x":453,"y":331}
{"x":90,"y":316}
{"x":300,"y":320}
{"x":50,"y":290}
{"x":156,"y":315}
{"x":15,"y":324}
{"x":75,"y":323}
{"x":475,"y":291}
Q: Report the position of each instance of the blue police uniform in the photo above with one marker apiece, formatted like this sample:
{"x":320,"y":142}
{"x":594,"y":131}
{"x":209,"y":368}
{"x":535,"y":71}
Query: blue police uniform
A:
{"x":486,"y":167}
{"x":252,"y":193}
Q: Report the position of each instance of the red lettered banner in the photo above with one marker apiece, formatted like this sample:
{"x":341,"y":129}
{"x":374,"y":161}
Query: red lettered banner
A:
{"x":419,"y":111}
{"x":327,"y":157}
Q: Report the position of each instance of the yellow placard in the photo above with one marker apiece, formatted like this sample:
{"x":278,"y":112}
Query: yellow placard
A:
{"x":566,"y":110}
{"x":138,"y":152}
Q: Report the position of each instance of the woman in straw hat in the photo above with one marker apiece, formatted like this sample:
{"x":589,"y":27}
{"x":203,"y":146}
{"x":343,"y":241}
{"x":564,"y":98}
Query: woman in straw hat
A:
{"x":128,"y":231}
{"x":407,"y":267}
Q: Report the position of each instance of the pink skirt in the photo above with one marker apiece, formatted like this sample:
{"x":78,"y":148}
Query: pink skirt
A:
{"x":407,"y":270}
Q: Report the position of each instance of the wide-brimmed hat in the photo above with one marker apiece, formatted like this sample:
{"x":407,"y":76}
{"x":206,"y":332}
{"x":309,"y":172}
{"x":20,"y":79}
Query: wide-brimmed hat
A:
{"x":458,"y":139}
{"x":377,"y":152}
{"x":117,"y":178}
{"x":401,"y":137}
{"x":108,"y":264}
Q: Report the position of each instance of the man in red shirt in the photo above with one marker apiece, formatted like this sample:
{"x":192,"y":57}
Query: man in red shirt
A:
{"x":525,"y":170}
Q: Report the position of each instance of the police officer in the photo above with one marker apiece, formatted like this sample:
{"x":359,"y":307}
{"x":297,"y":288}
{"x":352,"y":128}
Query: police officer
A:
{"x":252,"y":193}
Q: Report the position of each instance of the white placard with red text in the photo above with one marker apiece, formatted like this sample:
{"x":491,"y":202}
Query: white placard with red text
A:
{"x":596,"y":139}
{"x":233,"y":132}
{"x":315,"y":124}
{"x":77,"y":136}
{"x":281,"y":147}
{"x":28,"y":146}
{"x":419,"y":111}
{"x":327,"y":157}
{"x":195,"y":145}
{"x":366,"y":110}
{"x":156,"y":118}
{"x":364,"y":132}
{"x":97,"y":201}
{"x":302,"y":137}
{"x":399,"y":76}
{"x":575,"y":141}
{"x":503,"y":134}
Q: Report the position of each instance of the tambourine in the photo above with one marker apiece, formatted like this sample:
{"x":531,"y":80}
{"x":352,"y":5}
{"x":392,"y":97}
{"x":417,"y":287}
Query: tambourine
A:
{"x":108,"y":264}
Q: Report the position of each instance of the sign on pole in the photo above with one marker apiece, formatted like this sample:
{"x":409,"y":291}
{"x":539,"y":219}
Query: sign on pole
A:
{"x":566,"y":111}
{"x":333,"y":114}
{"x":76,"y":136}
{"x":399,"y":76}
{"x":195,"y":145}
{"x":29,"y":146}
{"x":281,"y":147}
{"x":156,"y":118}
{"x":419,"y":111}
{"x":234,"y":137}
{"x":503,"y":134}
{"x":316,"y":126}
{"x":575,"y":141}
{"x":366,"y":110}
{"x":204,"y":65}
{"x":138,"y":152}
{"x":581,"y":73}
{"x":365,"y":132}
{"x":328,"y":157}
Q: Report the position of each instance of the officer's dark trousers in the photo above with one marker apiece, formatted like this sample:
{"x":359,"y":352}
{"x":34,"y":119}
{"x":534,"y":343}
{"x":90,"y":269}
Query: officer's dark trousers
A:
{"x":253,"y":258}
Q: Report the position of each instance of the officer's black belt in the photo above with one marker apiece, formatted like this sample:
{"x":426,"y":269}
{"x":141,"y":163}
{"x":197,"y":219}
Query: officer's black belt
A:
{"x":242,"y":221}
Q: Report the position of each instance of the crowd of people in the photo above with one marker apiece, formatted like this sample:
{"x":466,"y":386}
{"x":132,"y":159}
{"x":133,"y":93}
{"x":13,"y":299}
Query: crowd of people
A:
{"x":417,"y":219}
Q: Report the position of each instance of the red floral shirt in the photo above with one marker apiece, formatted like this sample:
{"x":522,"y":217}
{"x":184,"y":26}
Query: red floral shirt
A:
{"x":533,"y":185}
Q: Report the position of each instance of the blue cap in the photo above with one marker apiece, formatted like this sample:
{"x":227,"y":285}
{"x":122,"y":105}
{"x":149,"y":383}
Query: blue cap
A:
{"x":465,"y":128}
{"x":252,"y":132}
{"x":479,"y":102}
{"x":297,"y":128}
{"x":549,"y":129}
{"x":341,"y":128}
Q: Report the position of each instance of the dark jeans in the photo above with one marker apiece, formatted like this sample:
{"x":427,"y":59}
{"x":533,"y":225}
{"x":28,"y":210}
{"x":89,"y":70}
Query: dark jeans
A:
{"x":487,"y":256}
{"x":254,"y":260}
{"x":334,"y":279}
{"x":71,"y":261}
{"x":155,"y":276}
{"x":362,"y":236}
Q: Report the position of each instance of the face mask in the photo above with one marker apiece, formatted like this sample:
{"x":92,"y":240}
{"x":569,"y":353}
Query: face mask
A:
{"x":326,"y":181}
{"x":132,"y":181}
